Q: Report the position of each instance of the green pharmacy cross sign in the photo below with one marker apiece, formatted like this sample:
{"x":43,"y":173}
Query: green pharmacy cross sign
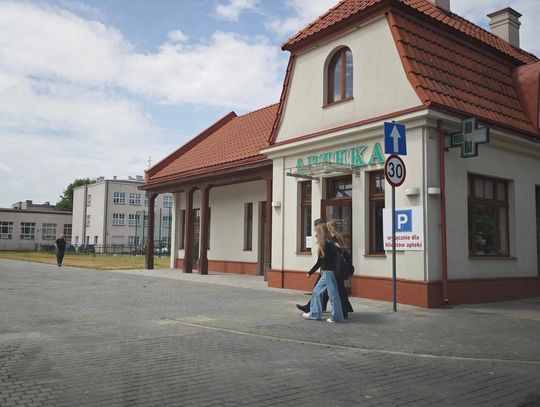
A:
{"x":469,"y":137}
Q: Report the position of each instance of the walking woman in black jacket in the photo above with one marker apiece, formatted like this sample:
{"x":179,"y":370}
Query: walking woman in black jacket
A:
{"x":327,"y":283}
{"x":342,"y":250}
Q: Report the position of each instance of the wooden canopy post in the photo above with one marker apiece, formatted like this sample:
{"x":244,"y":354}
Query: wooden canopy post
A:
{"x":150,"y":237}
{"x":205,"y":229}
{"x":188,"y":232}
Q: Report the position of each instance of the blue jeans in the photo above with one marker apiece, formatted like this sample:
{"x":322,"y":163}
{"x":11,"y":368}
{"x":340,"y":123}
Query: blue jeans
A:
{"x":328,"y":283}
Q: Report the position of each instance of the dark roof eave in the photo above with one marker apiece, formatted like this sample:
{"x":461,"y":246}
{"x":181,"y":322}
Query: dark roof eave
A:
{"x":212,"y":175}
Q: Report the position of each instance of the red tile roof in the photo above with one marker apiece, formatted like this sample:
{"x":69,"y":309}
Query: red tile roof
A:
{"x":451,"y":75}
{"x":527,"y":81}
{"x":346,"y":10}
{"x":452,"y":64}
{"x":232,"y":140}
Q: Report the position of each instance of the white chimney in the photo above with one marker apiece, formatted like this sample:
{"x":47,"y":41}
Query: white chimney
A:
{"x":443,"y":4}
{"x":505,"y":24}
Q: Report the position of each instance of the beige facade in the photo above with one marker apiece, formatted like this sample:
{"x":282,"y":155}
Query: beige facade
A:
{"x":32,"y":230}
{"x":112,"y":212}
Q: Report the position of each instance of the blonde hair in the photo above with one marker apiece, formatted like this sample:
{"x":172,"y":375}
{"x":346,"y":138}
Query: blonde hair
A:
{"x":321,"y":233}
{"x":335,"y":233}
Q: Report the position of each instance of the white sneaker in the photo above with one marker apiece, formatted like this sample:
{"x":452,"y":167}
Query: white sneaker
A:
{"x":331,"y":321}
{"x":307,"y":315}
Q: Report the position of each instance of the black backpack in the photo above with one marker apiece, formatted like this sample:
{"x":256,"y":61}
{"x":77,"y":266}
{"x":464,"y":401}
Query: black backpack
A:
{"x":344,"y":266}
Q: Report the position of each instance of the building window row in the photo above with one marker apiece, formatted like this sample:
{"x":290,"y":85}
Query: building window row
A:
{"x":28,"y":230}
{"x":488,"y":223}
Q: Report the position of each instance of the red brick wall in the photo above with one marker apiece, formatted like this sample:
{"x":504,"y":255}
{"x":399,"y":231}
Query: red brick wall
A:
{"x":419,"y":293}
{"x":235,"y":267}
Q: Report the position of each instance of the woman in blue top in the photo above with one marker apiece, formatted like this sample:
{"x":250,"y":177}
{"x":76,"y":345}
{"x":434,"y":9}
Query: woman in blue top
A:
{"x":327,"y":283}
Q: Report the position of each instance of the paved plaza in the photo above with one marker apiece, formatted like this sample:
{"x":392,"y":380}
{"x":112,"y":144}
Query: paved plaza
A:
{"x":74,"y":337}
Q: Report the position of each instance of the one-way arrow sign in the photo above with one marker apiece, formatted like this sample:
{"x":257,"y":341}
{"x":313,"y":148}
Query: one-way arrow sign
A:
{"x":395,"y":141}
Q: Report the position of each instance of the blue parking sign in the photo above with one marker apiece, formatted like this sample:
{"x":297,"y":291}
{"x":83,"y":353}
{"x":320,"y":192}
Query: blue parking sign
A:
{"x":404,"y":220}
{"x":395,"y":140}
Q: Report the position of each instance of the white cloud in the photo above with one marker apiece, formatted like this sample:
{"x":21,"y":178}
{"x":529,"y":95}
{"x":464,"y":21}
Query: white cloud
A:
{"x":232,"y":10}
{"x":73,"y":90}
{"x":477,"y":11}
{"x":303,"y":12}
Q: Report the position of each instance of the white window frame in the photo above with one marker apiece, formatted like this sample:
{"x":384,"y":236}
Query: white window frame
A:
{"x":28,"y":230}
{"x":118,"y":219}
{"x":89,"y":200}
{"x":119,"y":198}
{"x":48,"y":231}
{"x":68,"y":230}
{"x":88,"y":220}
{"x":133,"y":240}
{"x":134,"y":199}
{"x":6,"y":230}
{"x":167,"y":201}
{"x":134,"y":219}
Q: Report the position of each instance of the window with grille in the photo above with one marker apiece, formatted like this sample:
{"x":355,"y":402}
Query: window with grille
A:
{"x":118,"y":219}
{"x":48,"y":231}
{"x":119,"y":197}
{"x":6,"y":230}
{"x":28,"y":230}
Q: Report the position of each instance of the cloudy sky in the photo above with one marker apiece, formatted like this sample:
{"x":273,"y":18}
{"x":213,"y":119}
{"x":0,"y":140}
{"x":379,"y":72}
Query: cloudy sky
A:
{"x":94,"y":88}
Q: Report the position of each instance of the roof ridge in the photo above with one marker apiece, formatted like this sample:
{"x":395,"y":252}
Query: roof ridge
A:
{"x":450,"y":13}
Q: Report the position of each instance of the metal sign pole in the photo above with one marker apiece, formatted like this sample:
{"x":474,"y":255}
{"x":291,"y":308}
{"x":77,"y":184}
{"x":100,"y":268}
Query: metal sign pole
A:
{"x":394,"y":290}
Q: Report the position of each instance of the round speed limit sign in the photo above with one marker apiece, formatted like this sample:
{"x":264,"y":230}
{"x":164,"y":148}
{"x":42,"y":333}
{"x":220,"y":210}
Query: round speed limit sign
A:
{"x":394,"y":170}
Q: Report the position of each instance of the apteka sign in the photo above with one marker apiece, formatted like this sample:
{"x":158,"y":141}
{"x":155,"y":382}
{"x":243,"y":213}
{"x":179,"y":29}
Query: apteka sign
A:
{"x":353,"y":156}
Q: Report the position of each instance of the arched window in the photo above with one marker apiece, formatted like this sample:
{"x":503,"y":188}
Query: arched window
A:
{"x":340,"y":76}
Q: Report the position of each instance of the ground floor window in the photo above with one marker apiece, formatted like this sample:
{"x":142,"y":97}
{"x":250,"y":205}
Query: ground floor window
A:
{"x":305,"y":216}
{"x":6,"y":230}
{"x":248,"y":226}
{"x":487,"y":216}
{"x":376,"y":206}
{"x":48,"y":231}
{"x":181,"y":227}
{"x":67,"y":231}
{"x":28,"y":230}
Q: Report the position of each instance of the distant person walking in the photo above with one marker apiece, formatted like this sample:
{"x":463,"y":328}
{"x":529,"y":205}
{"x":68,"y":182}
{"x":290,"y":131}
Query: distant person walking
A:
{"x":60,"y":249}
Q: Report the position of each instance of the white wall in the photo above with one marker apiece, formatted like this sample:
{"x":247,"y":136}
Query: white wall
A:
{"x":380,"y":85}
{"x":286,"y":220}
{"x":522,"y":170}
{"x":227,"y":220}
{"x":39,"y":218}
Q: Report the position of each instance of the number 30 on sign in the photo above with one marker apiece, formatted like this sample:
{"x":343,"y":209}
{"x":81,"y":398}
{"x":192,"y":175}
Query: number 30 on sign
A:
{"x":394,"y":170}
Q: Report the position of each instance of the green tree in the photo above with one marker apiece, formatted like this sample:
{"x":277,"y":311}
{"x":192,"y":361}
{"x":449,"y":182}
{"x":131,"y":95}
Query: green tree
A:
{"x":66,"y":200}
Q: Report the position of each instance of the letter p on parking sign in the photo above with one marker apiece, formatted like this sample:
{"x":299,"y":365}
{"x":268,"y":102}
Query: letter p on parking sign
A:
{"x":404,"y":220}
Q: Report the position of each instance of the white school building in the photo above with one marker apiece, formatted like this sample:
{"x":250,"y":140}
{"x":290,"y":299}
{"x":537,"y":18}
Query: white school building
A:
{"x":247,"y":189}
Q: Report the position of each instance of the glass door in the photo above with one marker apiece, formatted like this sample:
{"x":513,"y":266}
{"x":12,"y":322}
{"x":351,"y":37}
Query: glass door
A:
{"x":341,"y":212}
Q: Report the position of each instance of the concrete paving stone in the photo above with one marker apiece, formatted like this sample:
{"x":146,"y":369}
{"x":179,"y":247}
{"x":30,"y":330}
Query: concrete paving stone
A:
{"x":91,"y":338}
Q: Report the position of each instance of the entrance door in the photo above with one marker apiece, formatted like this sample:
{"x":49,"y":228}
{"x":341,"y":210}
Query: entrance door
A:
{"x":262,"y":238}
{"x":195,"y":232}
{"x":339,"y":210}
{"x":338,"y":206}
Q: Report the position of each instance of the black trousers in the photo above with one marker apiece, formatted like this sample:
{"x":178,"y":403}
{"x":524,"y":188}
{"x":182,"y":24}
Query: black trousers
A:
{"x":59,"y":256}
